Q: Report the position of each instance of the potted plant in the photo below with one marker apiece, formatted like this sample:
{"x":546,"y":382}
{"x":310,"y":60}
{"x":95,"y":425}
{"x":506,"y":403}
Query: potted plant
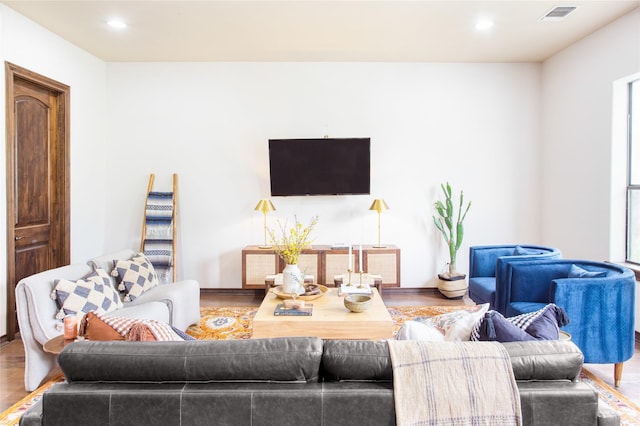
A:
{"x":449,"y":221}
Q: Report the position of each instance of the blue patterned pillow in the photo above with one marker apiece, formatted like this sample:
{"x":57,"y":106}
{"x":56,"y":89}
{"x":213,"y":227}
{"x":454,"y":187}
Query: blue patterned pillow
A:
{"x":135,"y":276}
{"x":543,"y":324}
{"x":91,"y":293}
{"x":521,"y":251}
{"x":496,"y":327}
{"x":578,"y":272}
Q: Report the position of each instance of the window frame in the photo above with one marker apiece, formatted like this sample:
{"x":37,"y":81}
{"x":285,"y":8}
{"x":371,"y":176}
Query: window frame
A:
{"x":633,"y":115}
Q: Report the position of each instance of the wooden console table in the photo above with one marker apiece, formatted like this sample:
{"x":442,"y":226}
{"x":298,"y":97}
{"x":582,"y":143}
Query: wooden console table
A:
{"x":323,"y":263}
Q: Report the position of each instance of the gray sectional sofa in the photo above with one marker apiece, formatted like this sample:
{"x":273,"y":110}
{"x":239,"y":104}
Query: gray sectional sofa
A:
{"x":281,"y":381}
{"x":177,"y":304}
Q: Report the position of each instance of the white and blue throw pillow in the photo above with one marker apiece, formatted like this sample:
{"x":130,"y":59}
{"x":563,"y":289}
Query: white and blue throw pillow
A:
{"x":455,"y":326}
{"x":91,"y":293}
{"x":135,"y":276}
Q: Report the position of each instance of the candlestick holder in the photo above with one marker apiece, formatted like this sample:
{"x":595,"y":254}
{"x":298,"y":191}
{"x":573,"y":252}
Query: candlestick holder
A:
{"x":360,"y":283}
{"x":349,"y":278}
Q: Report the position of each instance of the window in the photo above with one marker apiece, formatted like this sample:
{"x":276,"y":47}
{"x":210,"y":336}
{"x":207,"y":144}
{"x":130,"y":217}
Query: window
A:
{"x":633,"y":175}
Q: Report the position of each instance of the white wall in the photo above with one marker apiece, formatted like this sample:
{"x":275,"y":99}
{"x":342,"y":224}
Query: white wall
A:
{"x":577,"y":141}
{"x":472,"y":124}
{"x":584,"y":151}
{"x":30,"y":46}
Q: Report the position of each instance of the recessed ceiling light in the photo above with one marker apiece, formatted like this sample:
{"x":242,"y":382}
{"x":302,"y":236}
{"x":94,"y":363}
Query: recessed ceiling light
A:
{"x":117,"y":23}
{"x":484,"y":24}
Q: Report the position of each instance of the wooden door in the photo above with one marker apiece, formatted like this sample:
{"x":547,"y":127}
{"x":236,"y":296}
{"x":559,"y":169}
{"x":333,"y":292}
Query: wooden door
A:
{"x":37,"y":178}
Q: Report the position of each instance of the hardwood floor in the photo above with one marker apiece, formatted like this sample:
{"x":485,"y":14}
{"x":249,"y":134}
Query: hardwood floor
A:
{"x":12,"y":353}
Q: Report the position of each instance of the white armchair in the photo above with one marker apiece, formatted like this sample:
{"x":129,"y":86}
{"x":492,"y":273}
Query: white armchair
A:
{"x":176,"y":303}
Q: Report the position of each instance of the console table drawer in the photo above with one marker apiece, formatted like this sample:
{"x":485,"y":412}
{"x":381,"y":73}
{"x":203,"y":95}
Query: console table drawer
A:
{"x":256,"y":266}
{"x":384,"y":264}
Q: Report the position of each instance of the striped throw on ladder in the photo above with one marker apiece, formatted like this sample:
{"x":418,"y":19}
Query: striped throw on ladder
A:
{"x":159,"y":234}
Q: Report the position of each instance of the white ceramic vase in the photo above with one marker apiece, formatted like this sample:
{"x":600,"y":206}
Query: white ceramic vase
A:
{"x":292,"y":280}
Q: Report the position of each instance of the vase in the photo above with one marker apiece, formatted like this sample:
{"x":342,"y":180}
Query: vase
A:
{"x":292,"y":280}
{"x":452,"y":287}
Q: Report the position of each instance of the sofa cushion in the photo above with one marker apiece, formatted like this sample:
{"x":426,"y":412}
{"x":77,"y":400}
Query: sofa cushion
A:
{"x":457,"y":325}
{"x":496,"y":327}
{"x":135,"y":276}
{"x":559,"y":403}
{"x":545,"y":360}
{"x":134,"y":329}
{"x":542,"y":324}
{"x":92,"y":327}
{"x":578,"y":272}
{"x":518,"y":308}
{"x":356,"y":360}
{"x":94,"y":292}
{"x":151,"y":331}
{"x":292,"y":359}
{"x":416,"y":330}
{"x":97,"y":326}
{"x":483,"y":289}
{"x":107,"y":261}
{"x":521,"y":251}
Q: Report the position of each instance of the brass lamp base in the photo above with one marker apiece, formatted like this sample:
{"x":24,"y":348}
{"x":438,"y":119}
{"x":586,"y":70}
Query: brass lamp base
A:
{"x":379,"y":246}
{"x":265,"y":247}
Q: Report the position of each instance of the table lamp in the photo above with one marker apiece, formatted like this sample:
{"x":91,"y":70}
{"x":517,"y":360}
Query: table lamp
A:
{"x":265,"y":206}
{"x":379,"y":205}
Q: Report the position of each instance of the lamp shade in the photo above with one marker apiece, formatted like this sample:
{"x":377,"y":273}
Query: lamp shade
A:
{"x":265,"y":206}
{"x":378,"y":205}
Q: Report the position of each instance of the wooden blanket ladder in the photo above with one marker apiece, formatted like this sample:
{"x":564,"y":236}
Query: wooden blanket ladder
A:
{"x":159,"y":230}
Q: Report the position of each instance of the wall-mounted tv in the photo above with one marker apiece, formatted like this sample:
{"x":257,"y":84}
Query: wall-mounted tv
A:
{"x":330,"y":166}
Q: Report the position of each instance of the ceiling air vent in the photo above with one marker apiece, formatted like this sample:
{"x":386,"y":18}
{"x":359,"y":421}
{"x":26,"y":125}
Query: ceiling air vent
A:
{"x":558,"y":13}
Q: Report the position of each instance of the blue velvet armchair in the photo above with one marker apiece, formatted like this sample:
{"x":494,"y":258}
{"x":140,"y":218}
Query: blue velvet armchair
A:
{"x":598,"y":297}
{"x":487,"y":270}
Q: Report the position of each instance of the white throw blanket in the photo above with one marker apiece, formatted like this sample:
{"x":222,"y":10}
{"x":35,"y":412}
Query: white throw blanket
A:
{"x":453,"y":383}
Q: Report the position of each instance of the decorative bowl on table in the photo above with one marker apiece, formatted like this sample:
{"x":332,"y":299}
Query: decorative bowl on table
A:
{"x":312,"y":292}
{"x":357,"y":302}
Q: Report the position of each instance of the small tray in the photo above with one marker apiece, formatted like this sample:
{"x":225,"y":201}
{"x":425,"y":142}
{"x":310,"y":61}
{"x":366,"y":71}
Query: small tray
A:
{"x":278,"y":292}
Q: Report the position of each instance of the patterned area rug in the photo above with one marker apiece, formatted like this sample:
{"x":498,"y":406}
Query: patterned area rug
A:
{"x":222,"y":323}
{"x":11,"y":416}
{"x":629,"y":411}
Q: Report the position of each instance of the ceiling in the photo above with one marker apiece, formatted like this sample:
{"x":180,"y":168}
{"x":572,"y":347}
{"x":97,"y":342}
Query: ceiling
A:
{"x":321,"y":30}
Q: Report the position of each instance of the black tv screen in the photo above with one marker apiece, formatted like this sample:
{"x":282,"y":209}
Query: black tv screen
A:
{"x":327,"y":166}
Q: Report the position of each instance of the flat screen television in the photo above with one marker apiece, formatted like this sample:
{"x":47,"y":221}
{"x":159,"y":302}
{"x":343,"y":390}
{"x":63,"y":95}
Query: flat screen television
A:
{"x":330,"y":166}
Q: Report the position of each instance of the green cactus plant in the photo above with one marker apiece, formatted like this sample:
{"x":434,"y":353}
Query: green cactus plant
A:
{"x":451,"y":227}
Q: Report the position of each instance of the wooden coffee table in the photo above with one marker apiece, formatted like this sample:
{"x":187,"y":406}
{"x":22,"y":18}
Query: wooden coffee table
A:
{"x":330,"y":319}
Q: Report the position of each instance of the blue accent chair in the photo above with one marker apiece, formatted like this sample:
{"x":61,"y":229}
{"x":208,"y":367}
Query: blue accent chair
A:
{"x":601,"y":309}
{"x":487,"y":270}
